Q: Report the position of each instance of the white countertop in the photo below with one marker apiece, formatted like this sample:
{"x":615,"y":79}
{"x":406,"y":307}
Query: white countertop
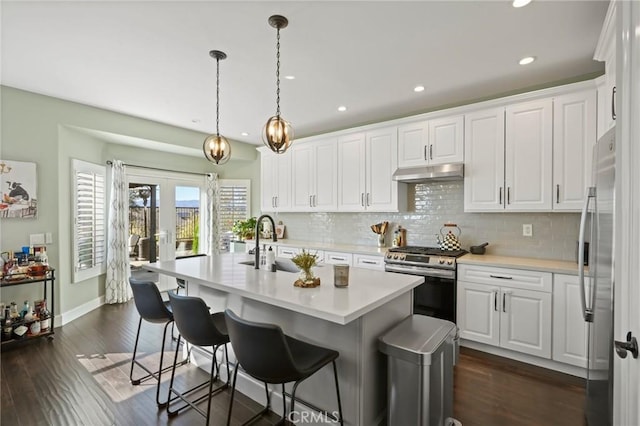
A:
{"x":314,"y":245}
{"x":544,"y":265}
{"x":367,"y":290}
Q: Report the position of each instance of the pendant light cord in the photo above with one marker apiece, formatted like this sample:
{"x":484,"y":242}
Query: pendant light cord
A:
{"x":217,"y":96}
{"x":278,"y":73}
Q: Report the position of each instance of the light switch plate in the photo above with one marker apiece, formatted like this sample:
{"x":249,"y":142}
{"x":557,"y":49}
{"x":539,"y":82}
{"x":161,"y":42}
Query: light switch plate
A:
{"x":48,"y":239}
{"x":36,"y":240}
{"x":527,"y":230}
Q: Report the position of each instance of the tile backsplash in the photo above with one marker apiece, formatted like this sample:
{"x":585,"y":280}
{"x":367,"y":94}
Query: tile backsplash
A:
{"x":430,"y":206}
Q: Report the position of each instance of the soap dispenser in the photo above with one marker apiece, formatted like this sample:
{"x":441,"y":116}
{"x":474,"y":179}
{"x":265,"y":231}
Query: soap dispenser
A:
{"x":271,"y":259}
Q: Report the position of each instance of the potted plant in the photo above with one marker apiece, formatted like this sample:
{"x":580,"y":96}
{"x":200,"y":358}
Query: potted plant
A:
{"x":244,"y":229}
{"x":305,"y":261}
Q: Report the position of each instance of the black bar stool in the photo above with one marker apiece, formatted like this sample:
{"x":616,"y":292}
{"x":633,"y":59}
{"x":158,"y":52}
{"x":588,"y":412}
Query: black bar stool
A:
{"x":267,"y":354}
{"x":198,"y":327}
{"x":152,"y":309}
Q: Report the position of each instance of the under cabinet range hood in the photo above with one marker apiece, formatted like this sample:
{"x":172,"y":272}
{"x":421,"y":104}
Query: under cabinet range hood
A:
{"x":454,"y":171}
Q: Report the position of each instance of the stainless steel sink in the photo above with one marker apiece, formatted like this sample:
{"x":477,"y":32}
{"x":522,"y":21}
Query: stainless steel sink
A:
{"x":286,"y":266}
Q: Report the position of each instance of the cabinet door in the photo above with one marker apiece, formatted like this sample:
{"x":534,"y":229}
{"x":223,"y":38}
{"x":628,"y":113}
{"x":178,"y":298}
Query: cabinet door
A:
{"x":525,"y":323}
{"x":528,"y":155}
{"x":268,"y":181}
{"x":484,"y":161}
{"x":325,"y":166}
{"x":574,"y":135}
{"x":569,"y":327}
{"x":446,"y":140}
{"x":351,"y":172}
{"x":478,"y":316}
{"x":302,"y":170}
{"x":413,"y":146}
{"x":381,"y":162}
{"x":283,"y":181}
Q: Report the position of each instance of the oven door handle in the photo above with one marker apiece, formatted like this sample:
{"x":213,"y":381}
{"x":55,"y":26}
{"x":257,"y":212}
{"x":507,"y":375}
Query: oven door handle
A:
{"x":425,"y":272}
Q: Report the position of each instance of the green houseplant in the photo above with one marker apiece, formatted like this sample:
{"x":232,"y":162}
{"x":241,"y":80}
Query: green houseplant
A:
{"x":244,"y":229}
{"x":305,"y":261}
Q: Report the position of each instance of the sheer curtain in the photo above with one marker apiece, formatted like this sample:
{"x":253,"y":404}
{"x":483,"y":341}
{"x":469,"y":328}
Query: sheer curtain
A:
{"x":213,"y":214}
{"x":117,"y":288}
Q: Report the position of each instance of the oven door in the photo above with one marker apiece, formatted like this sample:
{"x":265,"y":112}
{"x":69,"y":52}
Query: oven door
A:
{"x":436,"y":297}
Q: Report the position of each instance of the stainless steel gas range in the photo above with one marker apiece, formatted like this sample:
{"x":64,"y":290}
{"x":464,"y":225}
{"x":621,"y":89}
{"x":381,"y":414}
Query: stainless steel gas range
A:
{"x":436,"y":297}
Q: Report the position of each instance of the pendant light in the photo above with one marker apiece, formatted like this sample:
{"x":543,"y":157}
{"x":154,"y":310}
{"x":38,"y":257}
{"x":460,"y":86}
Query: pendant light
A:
{"x":217,"y":148}
{"x":277,"y":133}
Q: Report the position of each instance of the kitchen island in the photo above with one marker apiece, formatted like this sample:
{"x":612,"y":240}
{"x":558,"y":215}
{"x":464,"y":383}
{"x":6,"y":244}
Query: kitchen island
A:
{"x":349,"y":320}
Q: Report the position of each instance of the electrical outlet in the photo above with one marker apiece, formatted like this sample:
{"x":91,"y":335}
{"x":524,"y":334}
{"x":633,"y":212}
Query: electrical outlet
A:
{"x":527,"y":230}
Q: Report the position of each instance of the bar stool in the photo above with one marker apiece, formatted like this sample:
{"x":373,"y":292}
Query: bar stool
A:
{"x":267,"y":354}
{"x":198,"y":327}
{"x":152,"y":309}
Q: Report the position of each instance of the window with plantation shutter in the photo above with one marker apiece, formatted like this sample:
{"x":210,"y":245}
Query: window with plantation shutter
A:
{"x":234,"y":204}
{"x":89,"y":220}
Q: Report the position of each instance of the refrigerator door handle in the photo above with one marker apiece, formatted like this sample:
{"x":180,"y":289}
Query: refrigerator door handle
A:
{"x":587,"y":312}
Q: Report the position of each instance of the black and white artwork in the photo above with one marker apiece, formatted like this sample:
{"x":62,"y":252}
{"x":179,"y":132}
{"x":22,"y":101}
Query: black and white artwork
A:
{"x":19,"y":195}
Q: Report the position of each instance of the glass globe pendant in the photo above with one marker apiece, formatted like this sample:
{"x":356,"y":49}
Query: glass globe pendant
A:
{"x":217,"y":148}
{"x":277,"y":133}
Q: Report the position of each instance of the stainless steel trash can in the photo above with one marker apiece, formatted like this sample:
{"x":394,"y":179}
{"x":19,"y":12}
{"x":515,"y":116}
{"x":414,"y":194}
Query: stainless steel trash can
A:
{"x":421,"y":352}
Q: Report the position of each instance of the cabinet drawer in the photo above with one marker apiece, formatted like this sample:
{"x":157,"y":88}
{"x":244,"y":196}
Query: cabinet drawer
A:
{"x":369,"y":262}
{"x":530,"y":280}
{"x":333,"y":257}
{"x":287,"y":252}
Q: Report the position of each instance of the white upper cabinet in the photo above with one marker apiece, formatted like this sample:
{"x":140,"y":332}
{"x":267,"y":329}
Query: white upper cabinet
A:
{"x":606,"y":52}
{"x":508,"y":160}
{"x":432,"y":142}
{"x":574,"y":135}
{"x":314,"y":176}
{"x":366,"y":162}
{"x":528,"y":155}
{"x":275,"y":180}
{"x":484,"y":160}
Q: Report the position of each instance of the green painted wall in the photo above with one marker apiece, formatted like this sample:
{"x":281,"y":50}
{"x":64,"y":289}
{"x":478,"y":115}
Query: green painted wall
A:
{"x":51,"y":132}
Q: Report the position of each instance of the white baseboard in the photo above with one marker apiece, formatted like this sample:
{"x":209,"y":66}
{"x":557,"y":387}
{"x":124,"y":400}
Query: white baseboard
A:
{"x":77,"y":312}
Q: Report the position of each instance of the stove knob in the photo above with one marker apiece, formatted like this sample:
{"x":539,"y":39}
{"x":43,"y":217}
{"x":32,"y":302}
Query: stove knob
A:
{"x":449,"y":261}
{"x":395,"y":256}
{"x":441,"y":261}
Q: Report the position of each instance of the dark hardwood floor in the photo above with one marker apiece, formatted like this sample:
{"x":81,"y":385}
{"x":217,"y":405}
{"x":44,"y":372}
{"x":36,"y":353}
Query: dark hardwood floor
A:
{"x":82,"y":378}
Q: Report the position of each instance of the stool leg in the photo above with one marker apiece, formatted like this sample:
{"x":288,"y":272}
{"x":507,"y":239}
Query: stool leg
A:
{"x":164,"y":339}
{"x":284,"y":406}
{"x":226,"y":355}
{"x":173,"y":374}
{"x":233,"y":390}
{"x":214,"y":368}
{"x":135,"y":349}
{"x":335,"y":375}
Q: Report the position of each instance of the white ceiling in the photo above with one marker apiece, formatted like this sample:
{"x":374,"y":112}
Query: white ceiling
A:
{"x":150,"y":59}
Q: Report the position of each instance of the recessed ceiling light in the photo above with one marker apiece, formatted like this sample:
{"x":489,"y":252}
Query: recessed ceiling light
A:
{"x":342,"y":108}
{"x":290,"y":77}
{"x":418,"y":88}
{"x":244,"y":134}
{"x":520,"y":3}
{"x":527,"y":60}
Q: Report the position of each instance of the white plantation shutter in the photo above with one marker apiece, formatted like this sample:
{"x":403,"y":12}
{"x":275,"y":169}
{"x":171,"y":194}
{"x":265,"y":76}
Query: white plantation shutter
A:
{"x":234,"y":204}
{"x":89,"y":220}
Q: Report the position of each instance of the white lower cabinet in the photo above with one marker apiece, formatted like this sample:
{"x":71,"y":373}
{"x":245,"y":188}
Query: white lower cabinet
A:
{"x":569,"y":327}
{"x":368,"y":261}
{"x":497,"y":311}
{"x":338,"y":257}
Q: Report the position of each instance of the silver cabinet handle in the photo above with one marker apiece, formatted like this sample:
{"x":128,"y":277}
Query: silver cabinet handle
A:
{"x":613,"y":102}
{"x":315,"y":201}
{"x":369,"y":262}
{"x":500,"y":195}
{"x":425,"y":152}
{"x":368,"y":201}
{"x":430,"y":152}
{"x":502,"y":277}
{"x":337,"y":258}
{"x":504,"y":304}
{"x":362,"y":199}
{"x":508,"y":195}
{"x":495,"y":300}
{"x":557,"y":194}
{"x":276,"y":197}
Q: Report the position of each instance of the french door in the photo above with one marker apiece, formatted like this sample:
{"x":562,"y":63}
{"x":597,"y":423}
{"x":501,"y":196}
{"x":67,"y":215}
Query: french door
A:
{"x":167,"y":213}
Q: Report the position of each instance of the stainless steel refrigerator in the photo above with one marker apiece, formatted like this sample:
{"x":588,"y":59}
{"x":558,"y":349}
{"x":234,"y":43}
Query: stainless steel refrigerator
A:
{"x":597,"y":224}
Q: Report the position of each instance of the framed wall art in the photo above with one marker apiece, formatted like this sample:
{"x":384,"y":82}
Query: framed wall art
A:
{"x":19,"y":191}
